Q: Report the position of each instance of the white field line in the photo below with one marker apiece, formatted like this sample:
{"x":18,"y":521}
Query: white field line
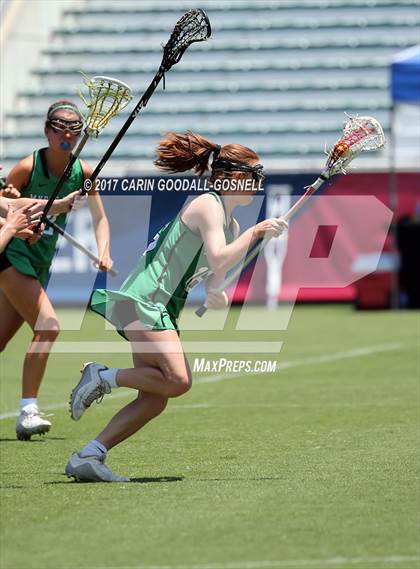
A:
{"x":158,"y":347}
{"x":321,"y":563}
{"x":326,"y":358}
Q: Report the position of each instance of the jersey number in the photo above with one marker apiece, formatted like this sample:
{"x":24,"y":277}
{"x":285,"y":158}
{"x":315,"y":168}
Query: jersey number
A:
{"x":196,"y":278}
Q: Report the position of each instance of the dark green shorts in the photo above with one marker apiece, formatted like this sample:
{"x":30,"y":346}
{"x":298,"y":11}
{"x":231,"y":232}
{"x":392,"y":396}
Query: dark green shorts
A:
{"x":23,"y":264}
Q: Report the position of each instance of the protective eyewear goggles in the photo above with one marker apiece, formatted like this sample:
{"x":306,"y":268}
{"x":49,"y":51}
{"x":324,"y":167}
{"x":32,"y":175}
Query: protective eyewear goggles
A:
{"x":62,"y":125}
{"x":257,"y":171}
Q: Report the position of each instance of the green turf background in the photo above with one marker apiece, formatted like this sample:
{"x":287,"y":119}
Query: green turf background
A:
{"x":316,"y":463}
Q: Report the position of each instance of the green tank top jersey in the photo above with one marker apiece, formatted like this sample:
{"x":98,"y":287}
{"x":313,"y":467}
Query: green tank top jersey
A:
{"x":156,"y":290}
{"x":41,"y":186}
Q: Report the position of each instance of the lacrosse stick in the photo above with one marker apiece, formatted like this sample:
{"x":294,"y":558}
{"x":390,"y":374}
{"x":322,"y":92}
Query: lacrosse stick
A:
{"x":78,"y":245}
{"x":108,"y":97}
{"x":194,"y":26}
{"x":360,"y":134}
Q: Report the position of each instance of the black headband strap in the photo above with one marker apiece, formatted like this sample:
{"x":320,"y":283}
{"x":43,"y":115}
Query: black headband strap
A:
{"x":231,"y":166}
{"x":221,"y":165}
{"x":216,"y":152}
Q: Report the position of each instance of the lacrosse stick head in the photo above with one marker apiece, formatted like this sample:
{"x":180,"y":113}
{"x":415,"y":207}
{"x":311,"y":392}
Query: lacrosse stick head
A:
{"x":360,"y":134}
{"x":107,"y":97}
{"x":194,"y":26}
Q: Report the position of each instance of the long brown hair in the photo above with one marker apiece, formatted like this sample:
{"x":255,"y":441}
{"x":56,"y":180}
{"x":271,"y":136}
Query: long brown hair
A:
{"x":179,"y":152}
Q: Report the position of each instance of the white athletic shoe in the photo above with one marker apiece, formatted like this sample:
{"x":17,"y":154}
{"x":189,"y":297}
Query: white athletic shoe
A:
{"x":31,"y":422}
{"x":91,"y":469}
{"x":90,"y":388}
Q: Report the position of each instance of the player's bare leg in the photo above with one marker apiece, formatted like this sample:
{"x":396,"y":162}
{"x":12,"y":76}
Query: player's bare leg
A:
{"x":156,"y":375}
{"x":163,"y":371}
{"x":11,"y":321}
{"x":29,"y":300}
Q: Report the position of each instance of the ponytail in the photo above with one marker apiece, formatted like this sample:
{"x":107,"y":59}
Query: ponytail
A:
{"x":187,"y":151}
{"x":190,"y":151}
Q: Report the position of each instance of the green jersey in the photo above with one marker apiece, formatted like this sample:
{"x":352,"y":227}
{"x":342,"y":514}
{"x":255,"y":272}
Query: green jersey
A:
{"x":173,"y":263}
{"x":41,"y":186}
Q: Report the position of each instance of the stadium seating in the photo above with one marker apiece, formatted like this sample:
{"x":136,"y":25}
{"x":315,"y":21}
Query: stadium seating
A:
{"x":276,"y":75}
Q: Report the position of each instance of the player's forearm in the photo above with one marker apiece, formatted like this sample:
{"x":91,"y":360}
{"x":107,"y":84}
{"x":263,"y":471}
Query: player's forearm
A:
{"x":231,"y":254}
{"x":102,"y":236}
{"x":16,"y":203}
{"x":59,"y":206}
{"x":4,"y":207}
{"x":214,"y":281}
{"x":6,"y":234}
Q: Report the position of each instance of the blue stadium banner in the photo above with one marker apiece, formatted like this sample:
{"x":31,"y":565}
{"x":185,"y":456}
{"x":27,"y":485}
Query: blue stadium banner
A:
{"x":137,"y":208}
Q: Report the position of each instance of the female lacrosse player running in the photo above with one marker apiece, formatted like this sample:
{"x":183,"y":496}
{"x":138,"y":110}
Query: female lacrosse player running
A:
{"x":24,"y":268}
{"x":146,"y":308}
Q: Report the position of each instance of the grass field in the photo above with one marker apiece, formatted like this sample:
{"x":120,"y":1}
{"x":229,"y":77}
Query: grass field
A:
{"x":313,"y":466}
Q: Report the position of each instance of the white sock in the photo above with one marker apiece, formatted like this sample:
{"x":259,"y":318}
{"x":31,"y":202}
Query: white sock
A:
{"x":93,"y":448}
{"x":28,"y":402}
{"x":110,"y":376}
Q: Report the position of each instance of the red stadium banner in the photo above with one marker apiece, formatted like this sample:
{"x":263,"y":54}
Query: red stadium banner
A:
{"x":325,"y":216}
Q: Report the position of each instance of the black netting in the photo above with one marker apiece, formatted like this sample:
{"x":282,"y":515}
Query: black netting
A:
{"x":194,"y":26}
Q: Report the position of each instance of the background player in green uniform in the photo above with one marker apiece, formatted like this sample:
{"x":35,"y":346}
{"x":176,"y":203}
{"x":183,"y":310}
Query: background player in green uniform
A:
{"x":18,"y":217}
{"x":204,"y":237}
{"x":24,"y":268}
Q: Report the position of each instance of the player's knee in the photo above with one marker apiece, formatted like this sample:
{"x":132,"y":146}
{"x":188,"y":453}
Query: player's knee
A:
{"x":177,"y":384}
{"x":49,"y":333}
{"x":52,"y":334}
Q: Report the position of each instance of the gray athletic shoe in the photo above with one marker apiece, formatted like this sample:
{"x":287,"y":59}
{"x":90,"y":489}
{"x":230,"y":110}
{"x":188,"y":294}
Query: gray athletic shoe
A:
{"x":90,"y":388}
{"x":91,"y":469}
{"x":31,"y":422}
